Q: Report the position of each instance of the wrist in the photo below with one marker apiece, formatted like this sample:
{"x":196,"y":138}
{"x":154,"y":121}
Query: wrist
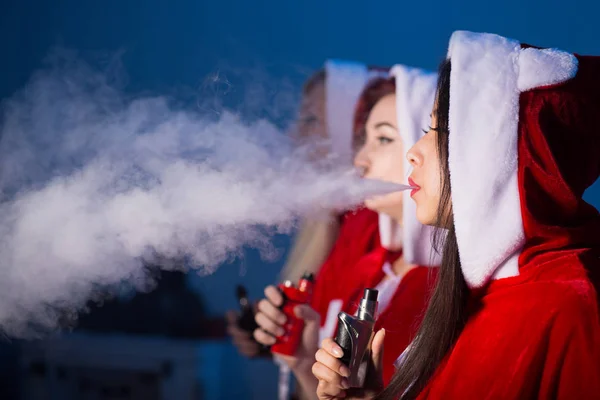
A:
{"x":303,"y":367}
{"x":307,"y":381}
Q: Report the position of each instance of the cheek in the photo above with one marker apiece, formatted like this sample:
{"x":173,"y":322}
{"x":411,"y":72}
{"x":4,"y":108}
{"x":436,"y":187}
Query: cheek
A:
{"x":386,"y":166}
{"x":428,"y":207}
{"x":426,"y":214}
{"x":432,"y":182}
{"x":390,"y":203}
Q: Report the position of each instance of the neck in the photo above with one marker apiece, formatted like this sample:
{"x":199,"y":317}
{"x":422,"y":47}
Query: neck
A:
{"x":401,"y":267}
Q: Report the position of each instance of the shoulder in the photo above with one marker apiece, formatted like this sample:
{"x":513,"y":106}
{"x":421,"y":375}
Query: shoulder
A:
{"x":576,"y":305}
{"x":570,"y":302}
{"x":573,"y":295}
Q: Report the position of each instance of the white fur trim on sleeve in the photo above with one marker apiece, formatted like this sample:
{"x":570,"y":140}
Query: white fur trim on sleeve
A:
{"x":488,"y":74}
{"x":344,"y":83}
{"x":415,"y":93}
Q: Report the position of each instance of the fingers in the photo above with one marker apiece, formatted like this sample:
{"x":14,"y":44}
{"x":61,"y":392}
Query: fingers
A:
{"x":264,"y":338}
{"x":269,"y":317}
{"x":327,"y":391}
{"x":329,"y":369}
{"x":323,"y":373}
{"x":247,"y":347}
{"x":235,"y":331}
{"x":306,"y":313}
{"x":267,"y":324}
{"x":274,"y":295}
{"x":377,"y":351}
{"x":273,"y":313}
{"x":333,"y":363}
{"x":231,"y":317}
{"x":233,"y":328}
{"x":331,"y":347}
{"x":241,"y":339}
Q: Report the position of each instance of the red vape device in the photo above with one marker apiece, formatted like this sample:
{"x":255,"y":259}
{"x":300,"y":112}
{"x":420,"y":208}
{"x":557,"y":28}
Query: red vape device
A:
{"x":287,"y":344}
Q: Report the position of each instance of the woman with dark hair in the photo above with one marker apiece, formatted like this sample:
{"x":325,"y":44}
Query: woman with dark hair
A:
{"x":513,"y":145}
{"x":389,"y":119}
{"x":390,"y":112}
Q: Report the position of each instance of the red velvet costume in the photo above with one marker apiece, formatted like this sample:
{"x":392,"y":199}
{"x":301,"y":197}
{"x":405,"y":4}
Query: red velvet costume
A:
{"x":533,"y":327}
{"x":358,"y":236}
{"x":404,"y":313}
{"x":365,"y":248}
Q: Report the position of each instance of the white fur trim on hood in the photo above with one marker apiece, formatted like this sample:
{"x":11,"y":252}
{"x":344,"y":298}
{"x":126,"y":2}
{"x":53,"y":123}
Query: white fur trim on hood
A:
{"x":344,"y":82}
{"x":488,"y":74}
{"x":415,"y":93}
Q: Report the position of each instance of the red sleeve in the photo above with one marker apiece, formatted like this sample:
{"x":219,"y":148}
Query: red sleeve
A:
{"x":358,"y":235}
{"x":573,"y":359}
{"x":320,"y":299}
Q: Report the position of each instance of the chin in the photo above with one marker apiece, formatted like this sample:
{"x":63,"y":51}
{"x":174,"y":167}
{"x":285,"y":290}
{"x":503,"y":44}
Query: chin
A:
{"x":371,"y":205}
{"x":383,"y":209}
{"x":390,"y":204}
{"x":425,"y":218}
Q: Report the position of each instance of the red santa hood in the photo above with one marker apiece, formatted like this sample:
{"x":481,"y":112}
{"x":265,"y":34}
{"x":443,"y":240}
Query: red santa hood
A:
{"x":524,"y":145}
{"x":345,"y":81}
{"x":415,"y":93}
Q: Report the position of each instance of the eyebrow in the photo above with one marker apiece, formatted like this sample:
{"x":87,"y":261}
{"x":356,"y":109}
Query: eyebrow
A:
{"x":308,"y":119}
{"x":382,"y":124}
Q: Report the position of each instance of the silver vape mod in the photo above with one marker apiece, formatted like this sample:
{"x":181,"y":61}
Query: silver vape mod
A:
{"x":354,"y":336}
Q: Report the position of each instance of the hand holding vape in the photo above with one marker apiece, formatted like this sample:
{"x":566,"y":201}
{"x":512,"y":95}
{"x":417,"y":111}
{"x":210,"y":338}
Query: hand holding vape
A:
{"x":355,"y":334}
{"x":287,"y":344}
{"x":246,"y":319}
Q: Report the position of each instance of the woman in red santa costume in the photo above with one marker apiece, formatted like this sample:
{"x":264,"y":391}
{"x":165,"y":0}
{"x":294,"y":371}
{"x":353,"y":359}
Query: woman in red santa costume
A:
{"x":327,"y":113}
{"x":324,"y":124}
{"x":513,"y":145}
{"x":389,"y":119}
{"x":392,"y":111}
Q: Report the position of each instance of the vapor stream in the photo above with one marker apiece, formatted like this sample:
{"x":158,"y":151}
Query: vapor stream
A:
{"x":95,"y":183}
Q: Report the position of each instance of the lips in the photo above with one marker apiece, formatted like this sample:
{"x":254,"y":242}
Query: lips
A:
{"x":413,"y":184}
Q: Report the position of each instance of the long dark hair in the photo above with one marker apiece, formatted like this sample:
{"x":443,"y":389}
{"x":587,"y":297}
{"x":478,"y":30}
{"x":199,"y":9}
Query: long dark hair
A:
{"x":446,"y":313}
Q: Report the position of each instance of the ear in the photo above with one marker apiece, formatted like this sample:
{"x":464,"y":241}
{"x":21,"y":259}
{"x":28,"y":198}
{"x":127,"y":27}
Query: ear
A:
{"x":544,"y":67}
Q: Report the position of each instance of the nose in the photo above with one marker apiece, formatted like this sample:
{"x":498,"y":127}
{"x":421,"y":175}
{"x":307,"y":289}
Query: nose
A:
{"x":361,"y":160}
{"x":414,"y":157}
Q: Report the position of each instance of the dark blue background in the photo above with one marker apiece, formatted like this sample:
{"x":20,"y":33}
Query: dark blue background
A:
{"x":177,"y":44}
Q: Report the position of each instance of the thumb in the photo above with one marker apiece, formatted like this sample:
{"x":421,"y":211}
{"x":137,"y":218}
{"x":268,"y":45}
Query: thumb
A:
{"x":306,"y":313}
{"x":377,"y":351}
{"x":231,"y":316}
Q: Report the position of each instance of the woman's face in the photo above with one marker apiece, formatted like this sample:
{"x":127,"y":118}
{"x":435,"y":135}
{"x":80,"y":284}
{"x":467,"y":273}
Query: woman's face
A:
{"x":311,"y":121}
{"x":424,"y":159}
{"x":381,"y":157}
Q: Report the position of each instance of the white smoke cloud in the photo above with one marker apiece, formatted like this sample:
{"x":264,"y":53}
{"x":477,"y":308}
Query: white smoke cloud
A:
{"x":95,"y":182}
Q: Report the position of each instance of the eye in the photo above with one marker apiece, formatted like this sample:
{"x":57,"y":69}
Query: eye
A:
{"x":383,"y":140}
{"x":429,"y":129}
{"x":309,"y":120}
